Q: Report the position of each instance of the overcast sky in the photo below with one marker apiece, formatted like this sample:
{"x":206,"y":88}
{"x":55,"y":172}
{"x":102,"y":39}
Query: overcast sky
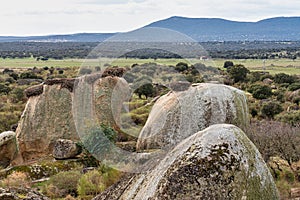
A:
{"x":42,"y":17}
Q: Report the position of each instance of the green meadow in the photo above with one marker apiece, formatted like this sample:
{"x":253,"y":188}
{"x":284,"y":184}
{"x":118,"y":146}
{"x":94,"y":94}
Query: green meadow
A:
{"x":273,"y":66}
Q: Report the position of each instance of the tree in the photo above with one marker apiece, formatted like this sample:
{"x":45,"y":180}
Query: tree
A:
{"x":181,"y":66}
{"x":228,"y":64}
{"x":238,"y":73}
{"x":4,"y":89}
{"x":271,"y":109}
{"x":146,"y":90}
{"x":28,"y":75}
{"x":284,"y":78}
{"x":260,"y":91}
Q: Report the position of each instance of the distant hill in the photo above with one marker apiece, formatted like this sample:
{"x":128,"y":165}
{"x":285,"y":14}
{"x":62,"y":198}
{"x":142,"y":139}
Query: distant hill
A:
{"x":213,"y":29}
{"x":79,"y":37}
{"x":200,"y":29}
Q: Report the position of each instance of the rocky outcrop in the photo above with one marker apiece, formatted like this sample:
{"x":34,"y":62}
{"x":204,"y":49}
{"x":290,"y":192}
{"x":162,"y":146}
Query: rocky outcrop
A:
{"x":65,"y":149}
{"x":21,"y":194}
{"x":46,"y":118}
{"x":57,"y":108}
{"x":178,"y":115}
{"x":8,"y":147}
{"x":219,"y":162}
{"x":99,"y":101}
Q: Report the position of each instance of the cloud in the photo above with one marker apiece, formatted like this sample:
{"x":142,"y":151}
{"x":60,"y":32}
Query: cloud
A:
{"x":70,"y":16}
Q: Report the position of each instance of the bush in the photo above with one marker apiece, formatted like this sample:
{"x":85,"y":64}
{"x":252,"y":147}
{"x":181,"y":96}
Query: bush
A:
{"x":228,"y":64}
{"x":90,"y":184}
{"x":260,"y":91}
{"x":84,"y":71}
{"x":96,"y":181}
{"x":62,"y":184}
{"x":284,"y":78}
{"x":181,"y":66}
{"x":294,"y":87}
{"x":238,"y":73}
{"x":15,"y":180}
{"x":4,"y":89}
{"x":292,"y":118}
{"x":28,"y":75}
{"x":271,"y":109}
{"x":100,"y":140}
{"x":254,"y":76}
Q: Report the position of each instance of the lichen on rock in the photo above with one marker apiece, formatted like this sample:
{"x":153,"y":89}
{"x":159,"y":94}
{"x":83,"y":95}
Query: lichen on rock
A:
{"x":8,"y":148}
{"x":46,"y":118}
{"x":219,"y":162}
{"x":178,"y":115}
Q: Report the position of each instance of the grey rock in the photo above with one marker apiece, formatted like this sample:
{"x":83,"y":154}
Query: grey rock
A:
{"x":219,"y":162}
{"x":8,"y":148}
{"x":46,"y":118}
{"x":178,"y":115}
{"x":65,"y":149}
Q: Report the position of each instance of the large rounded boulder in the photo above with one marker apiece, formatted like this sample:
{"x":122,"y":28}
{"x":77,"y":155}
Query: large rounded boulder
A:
{"x":8,"y":147}
{"x":46,"y":118}
{"x":178,"y":115}
{"x":219,"y":162}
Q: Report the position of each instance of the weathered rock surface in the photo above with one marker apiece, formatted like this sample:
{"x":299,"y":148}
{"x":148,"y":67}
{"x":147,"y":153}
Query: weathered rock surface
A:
{"x":178,"y":115}
{"x":56,"y":106}
{"x":8,"y":148}
{"x":26,"y":194}
{"x":65,"y":149}
{"x":219,"y":162}
{"x":46,"y":118}
{"x":99,"y":100}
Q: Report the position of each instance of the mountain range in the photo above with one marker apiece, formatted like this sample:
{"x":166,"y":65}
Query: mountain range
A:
{"x":199,"y":29}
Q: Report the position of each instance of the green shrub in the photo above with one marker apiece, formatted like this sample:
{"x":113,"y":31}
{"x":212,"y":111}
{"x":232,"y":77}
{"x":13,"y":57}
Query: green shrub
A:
{"x":260,"y":91}
{"x":4,"y":89}
{"x":96,"y":181}
{"x":292,"y":118}
{"x":284,"y":78}
{"x":294,"y":86}
{"x":238,"y":73}
{"x":228,"y":64}
{"x":62,"y":184}
{"x":28,"y":75}
{"x":84,"y":71}
{"x":99,"y":140}
{"x":181,"y":66}
{"x":254,"y":76}
{"x":270,"y":109}
{"x":90,"y":184}
{"x":289,"y":176}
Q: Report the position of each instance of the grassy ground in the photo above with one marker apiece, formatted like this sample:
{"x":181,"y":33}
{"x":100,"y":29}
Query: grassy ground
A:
{"x":273,"y":66}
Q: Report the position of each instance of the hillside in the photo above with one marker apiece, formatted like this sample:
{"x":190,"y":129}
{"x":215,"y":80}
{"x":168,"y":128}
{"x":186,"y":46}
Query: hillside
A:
{"x":200,"y":29}
{"x":205,"y":29}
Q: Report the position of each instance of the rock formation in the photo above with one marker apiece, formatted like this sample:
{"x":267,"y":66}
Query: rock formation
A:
{"x":219,"y":162}
{"x":65,"y":149}
{"x":8,"y":147}
{"x":46,"y":118}
{"x":51,"y":112}
{"x":98,"y":101}
{"x":178,"y":115}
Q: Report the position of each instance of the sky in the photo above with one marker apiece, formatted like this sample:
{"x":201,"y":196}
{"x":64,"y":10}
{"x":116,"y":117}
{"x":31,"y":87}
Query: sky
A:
{"x":45,"y":17}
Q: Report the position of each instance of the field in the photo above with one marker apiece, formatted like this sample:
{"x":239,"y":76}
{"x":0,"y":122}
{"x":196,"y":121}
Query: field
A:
{"x":273,"y":66}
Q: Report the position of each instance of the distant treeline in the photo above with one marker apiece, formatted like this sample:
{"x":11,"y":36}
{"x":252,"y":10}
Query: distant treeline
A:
{"x":226,"y":50}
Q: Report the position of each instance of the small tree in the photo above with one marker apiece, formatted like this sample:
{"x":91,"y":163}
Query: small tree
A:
{"x":146,"y":90}
{"x":228,"y":64}
{"x":238,"y":73}
{"x":181,"y":66}
{"x":284,"y":78}
{"x":271,"y":109}
{"x":260,"y":91}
